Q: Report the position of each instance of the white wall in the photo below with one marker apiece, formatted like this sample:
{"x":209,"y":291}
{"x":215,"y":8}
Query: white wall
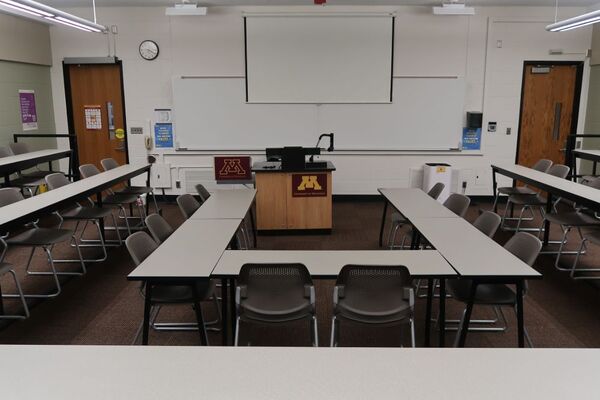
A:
{"x":23,"y":40}
{"x":425,"y":45}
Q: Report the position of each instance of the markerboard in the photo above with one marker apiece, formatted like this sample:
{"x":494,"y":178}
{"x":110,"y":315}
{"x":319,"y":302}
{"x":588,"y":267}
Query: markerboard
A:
{"x":211,"y":114}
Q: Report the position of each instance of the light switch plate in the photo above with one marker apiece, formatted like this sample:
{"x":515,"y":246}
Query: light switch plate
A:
{"x":137,"y":130}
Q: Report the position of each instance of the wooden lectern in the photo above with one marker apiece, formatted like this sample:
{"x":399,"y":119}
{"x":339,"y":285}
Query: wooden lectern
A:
{"x":293,"y":200}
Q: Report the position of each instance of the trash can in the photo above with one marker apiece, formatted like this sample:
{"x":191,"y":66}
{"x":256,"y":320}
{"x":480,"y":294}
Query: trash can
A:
{"x":438,"y":172}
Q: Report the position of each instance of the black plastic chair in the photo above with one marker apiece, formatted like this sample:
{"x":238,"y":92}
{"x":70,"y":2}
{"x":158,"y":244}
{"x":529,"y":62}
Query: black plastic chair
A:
{"x":374,"y":295}
{"x":111,"y":163}
{"x":274,"y":294}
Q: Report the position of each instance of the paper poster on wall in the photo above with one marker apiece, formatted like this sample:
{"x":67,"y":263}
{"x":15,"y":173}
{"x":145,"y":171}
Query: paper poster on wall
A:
{"x":28,"y":112}
{"x":163,"y":135}
{"x":93,"y":118}
{"x":471,"y":139}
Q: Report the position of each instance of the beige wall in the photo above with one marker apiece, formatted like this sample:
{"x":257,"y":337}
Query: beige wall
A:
{"x":24,"y":41}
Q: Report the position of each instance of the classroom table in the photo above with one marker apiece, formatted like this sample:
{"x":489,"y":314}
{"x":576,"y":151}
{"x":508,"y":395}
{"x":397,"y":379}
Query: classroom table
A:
{"x":296,"y":373}
{"x":228,"y":204}
{"x":552,"y":185}
{"x":19,"y":162}
{"x":412,"y":203}
{"x":591,"y":155}
{"x":45,"y":203}
{"x":188,"y":255}
{"x":478,"y":257}
{"x":326,"y":264}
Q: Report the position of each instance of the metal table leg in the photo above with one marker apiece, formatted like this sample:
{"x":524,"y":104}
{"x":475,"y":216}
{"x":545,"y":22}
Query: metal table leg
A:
{"x":547,"y":222}
{"x":494,"y":189}
{"x":385,"y":207}
{"x":147,"y":308}
{"x":199,"y":317}
{"x":253,"y":225}
{"x":428,"y":312}
{"x":442,"y":313}
{"x":520,"y":318}
{"x":224,"y":309}
{"x":467,"y":318}
{"x":232,"y":310}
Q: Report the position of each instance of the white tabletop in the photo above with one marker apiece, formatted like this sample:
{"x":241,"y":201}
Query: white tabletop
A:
{"x":191,"y":252}
{"x":32,"y":155}
{"x":299,"y":373}
{"x":593,"y":153}
{"x":226,"y":203}
{"x":328,"y":263}
{"x":566,"y":187}
{"x":415,"y":203}
{"x":469,"y":251}
{"x":48,"y":199}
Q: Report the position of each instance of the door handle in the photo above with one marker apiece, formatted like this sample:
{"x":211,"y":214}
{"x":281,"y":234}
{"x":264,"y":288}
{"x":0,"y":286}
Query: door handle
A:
{"x":556,"y":127}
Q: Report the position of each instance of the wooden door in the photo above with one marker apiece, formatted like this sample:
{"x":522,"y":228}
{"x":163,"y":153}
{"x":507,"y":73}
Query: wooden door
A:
{"x":97,"y":90}
{"x":549,"y":107}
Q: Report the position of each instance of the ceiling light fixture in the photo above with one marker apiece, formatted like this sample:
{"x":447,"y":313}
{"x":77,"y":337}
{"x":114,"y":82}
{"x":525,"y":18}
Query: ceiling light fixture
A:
{"x":46,"y":13}
{"x":575,"y":22}
{"x":185,"y":8}
{"x":453,"y":8}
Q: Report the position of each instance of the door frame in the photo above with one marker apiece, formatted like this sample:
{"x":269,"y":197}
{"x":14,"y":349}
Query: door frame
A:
{"x":576,"y":99}
{"x":69,"y":102}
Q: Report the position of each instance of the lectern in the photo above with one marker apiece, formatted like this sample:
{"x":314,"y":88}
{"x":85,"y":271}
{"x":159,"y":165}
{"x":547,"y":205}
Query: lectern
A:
{"x":293,"y":194}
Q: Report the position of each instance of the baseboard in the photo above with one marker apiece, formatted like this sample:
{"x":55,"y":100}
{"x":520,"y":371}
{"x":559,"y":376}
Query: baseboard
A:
{"x":295,"y":232}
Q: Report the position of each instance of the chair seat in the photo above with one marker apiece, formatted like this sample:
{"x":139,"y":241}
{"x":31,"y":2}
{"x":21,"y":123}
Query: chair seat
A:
{"x":508,"y":190}
{"x":135,"y":190}
{"x":573,"y":218}
{"x":40,"y":237}
{"x":284,"y":306}
{"x":492,"y":294}
{"x":5,"y":267}
{"x":374,"y":309}
{"x":120,"y":199}
{"x":527,"y":199}
{"x":84,"y":213}
{"x":398,"y":218}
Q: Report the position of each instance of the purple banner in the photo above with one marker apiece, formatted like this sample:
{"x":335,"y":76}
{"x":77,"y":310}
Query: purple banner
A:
{"x":28,"y":111}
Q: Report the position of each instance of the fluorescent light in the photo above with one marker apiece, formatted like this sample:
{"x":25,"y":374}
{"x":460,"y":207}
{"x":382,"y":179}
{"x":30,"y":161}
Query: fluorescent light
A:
{"x":575,"y":22}
{"x":53,"y":15}
{"x":185,"y":9}
{"x":453,"y":9}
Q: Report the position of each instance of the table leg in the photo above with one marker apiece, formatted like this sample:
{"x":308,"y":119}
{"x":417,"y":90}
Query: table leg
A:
{"x":464,"y":328}
{"x":574,"y":168}
{"x":224,"y":309}
{"x":430,"y":283}
{"x":199,"y":317}
{"x":101,"y":220}
{"x":415,"y":239}
{"x":520,"y":320}
{"x":147,"y":196}
{"x":253,"y":226}
{"x":442,"y":313}
{"x":232,"y":310}
{"x":385,"y":207}
{"x":594,"y":168}
{"x":7,"y":180}
{"x":147,"y":308}
{"x":1,"y":302}
{"x":494,"y":189}
{"x":547,"y":222}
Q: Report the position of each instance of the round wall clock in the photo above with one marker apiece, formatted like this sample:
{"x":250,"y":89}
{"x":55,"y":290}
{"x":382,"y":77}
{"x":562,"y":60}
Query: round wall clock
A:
{"x":149,"y":50}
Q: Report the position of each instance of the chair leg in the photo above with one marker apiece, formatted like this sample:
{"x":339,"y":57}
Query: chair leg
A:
{"x":560,"y":248}
{"x":460,"y":328}
{"x":237,"y":332}
{"x":412,"y":332}
{"x":313,"y":331}
{"x":21,"y":297}
{"x":526,"y":334}
{"x":201,"y":327}
{"x":335,"y":327}
{"x":392,"y":238}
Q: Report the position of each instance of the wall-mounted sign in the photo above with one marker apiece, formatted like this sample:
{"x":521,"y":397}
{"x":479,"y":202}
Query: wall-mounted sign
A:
{"x":309,"y":185}
{"x":28,"y":112}
{"x":93,"y":117}
{"x":471,"y":139}
{"x":163,"y":135}
{"x":232,"y":168}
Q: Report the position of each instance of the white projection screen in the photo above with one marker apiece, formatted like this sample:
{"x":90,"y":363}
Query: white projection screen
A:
{"x":319,"y":58}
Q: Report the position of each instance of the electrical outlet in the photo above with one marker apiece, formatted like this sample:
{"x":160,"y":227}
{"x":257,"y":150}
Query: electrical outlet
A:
{"x":178,"y":184}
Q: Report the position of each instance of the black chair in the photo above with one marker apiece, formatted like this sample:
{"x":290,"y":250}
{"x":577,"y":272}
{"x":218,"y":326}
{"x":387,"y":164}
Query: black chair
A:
{"x":275,"y":294}
{"x":373,"y":295}
{"x":111,"y":163}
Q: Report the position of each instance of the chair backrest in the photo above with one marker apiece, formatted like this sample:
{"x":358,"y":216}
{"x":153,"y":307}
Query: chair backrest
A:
{"x":159,"y":228}
{"x":488,"y":223}
{"x":436,"y":190}
{"x":5,"y":151}
{"x":9,"y":196}
{"x":202,"y":192}
{"x":279,"y":277}
{"x":458,"y":204}
{"x":109,"y":163}
{"x":187,"y":204}
{"x":19,"y":148}
{"x":87,"y":170}
{"x":525,"y":246}
{"x":56,"y":180}
{"x":559,"y":170}
{"x":542,"y":165}
{"x":372,"y":281}
{"x":140,"y":245}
